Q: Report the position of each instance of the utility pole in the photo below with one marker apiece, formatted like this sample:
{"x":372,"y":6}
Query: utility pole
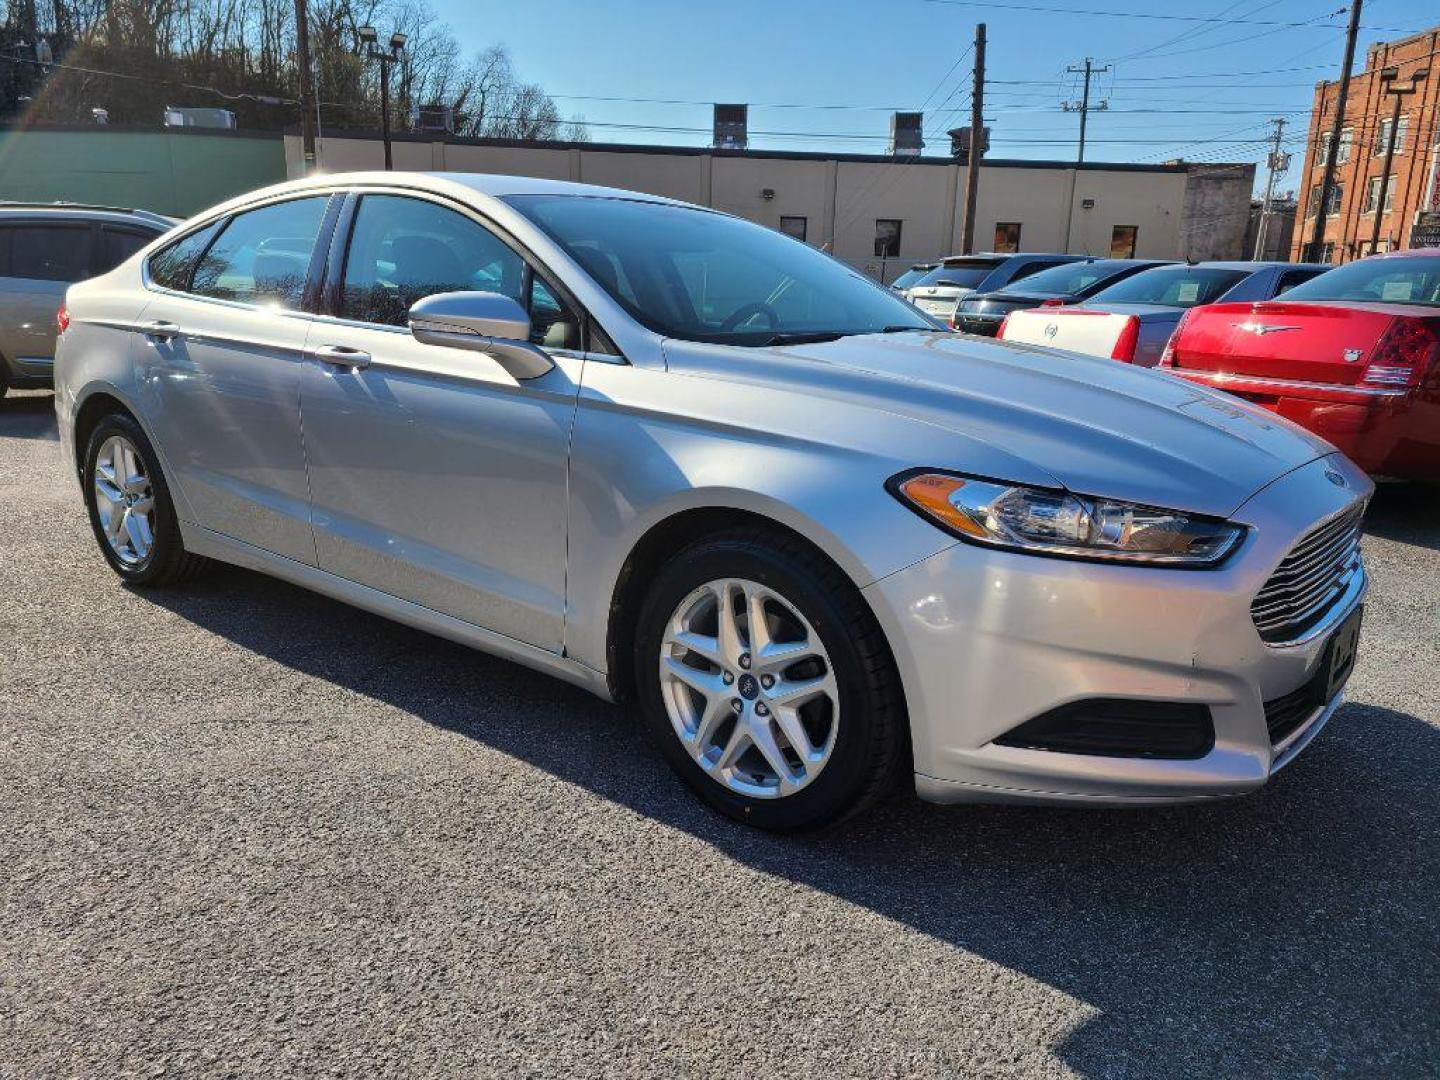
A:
{"x":1399,"y":93}
{"x":307,"y":119}
{"x":1083,"y":106}
{"x":1327,"y":182}
{"x":368,"y":37}
{"x":977,"y":143}
{"x":1279,"y":162}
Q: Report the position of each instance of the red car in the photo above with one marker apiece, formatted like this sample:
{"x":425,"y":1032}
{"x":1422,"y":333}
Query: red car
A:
{"x":1353,"y":355}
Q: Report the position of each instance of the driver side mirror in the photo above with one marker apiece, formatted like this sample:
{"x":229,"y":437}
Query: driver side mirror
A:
{"x":482,"y":322}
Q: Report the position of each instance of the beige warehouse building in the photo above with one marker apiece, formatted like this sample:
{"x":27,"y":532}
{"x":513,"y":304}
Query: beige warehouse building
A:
{"x":876,"y":212}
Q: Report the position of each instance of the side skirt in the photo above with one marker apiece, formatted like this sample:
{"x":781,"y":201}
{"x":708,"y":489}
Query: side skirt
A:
{"x":214,"y":545}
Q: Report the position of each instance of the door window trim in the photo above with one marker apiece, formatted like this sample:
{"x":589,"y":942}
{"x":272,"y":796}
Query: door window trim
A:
{"x":329,"y":300}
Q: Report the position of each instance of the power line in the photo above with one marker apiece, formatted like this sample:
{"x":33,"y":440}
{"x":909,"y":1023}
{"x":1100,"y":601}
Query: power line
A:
{"x":1045,"y":9}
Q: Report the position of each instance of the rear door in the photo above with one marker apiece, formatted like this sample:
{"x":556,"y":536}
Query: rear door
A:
{"x":38,"y":261}
{"x":221,"y":362}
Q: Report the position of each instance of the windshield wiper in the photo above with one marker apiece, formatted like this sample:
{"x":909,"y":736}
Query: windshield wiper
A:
{"x":805,"y":338}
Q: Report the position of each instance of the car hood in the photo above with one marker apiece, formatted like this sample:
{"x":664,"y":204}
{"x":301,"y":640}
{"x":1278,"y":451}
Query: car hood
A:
{"x":1097,"y":427}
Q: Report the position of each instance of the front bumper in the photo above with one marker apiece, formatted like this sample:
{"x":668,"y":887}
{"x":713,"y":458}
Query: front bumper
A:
{"x":987,"y":640}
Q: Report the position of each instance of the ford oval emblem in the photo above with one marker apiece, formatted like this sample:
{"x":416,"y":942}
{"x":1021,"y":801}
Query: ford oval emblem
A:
{"x":1335,"y":478}
{"x":1051,"y":330}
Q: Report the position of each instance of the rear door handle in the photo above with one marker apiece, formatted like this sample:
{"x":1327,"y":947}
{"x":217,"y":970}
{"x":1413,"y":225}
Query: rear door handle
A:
{"x":341,"y":356}
{"x":160,"y":330}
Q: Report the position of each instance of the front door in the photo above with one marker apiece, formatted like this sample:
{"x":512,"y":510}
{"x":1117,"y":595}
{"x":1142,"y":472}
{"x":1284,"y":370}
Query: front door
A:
{"x":220,"y":366}
{"x":435,"y":476}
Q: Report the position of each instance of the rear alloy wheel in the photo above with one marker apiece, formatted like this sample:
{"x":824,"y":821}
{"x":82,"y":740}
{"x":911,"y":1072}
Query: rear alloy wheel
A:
{"x":767,"y":683}
{"x":130,"y":509}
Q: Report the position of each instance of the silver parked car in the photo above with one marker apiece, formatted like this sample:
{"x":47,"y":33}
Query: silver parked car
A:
{"x":44,"y":248}
{"x":690,"y":462}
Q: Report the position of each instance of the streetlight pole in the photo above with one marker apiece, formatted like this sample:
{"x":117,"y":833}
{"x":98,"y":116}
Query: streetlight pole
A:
{"x":1399,"y":93}
{"x":368,"y":37}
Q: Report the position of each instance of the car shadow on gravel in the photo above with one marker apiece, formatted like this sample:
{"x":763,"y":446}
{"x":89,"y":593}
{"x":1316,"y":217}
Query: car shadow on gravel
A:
{"x":1292,"y":931}
{"x":1406,"y":513}
{"x":27,"y":416}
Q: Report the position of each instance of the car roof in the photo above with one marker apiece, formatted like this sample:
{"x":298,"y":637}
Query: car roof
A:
{"x":1407,"y":253}
{"x":89,"y":211}
{"x":1252,"y":265}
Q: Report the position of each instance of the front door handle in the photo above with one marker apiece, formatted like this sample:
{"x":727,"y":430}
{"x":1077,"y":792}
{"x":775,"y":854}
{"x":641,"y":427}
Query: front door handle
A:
{"x":341,"y":356}
{"x":160,"y":330}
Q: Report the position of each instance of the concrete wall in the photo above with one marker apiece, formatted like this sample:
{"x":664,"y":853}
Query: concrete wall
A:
{"x":842,"y":197}
{"x":1217,"y":212}
{"x":175,"y":173}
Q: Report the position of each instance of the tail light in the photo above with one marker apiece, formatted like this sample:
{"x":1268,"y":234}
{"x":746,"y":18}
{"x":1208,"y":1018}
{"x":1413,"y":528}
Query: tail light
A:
{"x":62,"y":319}
{"x":1054,"y":301}
{"x":1129,"y":338}
{"x":1003,"y":324}
{"x":1167,"y":358}
{"x":1405,"y":352}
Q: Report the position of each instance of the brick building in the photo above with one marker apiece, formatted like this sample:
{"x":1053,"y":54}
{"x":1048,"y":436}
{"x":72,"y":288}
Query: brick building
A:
{"x":1410,"y":216}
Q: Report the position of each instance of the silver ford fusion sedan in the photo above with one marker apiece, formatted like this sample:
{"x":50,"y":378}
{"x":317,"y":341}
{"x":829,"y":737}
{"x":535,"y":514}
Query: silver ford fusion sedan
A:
{"x":689,"y":462}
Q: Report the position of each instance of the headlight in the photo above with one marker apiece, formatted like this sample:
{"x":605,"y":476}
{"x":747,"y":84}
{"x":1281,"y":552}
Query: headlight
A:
{"x":1049,"y":522}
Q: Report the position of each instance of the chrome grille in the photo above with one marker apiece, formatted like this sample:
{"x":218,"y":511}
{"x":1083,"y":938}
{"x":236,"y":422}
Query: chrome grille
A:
{"x":1312,"y":578}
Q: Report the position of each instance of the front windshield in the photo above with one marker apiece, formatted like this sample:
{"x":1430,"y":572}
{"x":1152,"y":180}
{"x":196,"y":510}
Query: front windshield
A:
{"x":1410,"y":279}
{"x":909,"y":277}
{"x":1172,"y":286}
{"x":702,"y":276}
{"x":1064,"y":280}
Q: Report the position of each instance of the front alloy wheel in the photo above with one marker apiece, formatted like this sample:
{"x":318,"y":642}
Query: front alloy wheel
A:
{"x":749,"y":688}
{"x":767,"y":683}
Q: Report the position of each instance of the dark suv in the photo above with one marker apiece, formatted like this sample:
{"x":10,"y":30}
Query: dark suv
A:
{"x":45,"y":248}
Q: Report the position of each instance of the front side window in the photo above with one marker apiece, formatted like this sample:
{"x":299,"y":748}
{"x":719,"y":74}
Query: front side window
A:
{"x":50,"y":252}
{"x":703,"y":276}
{"x":262,"y":256}
{"x":1007,"y":237}
{"x":403,"y":250}
{"x":887,"y":238}
{"x":1401,"y":280}
{"x":1122,"y":241}
{"x":170,"y":267}
{"x":1179,"y":286}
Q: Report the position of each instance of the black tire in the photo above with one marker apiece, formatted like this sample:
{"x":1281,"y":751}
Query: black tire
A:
{"x":4,"y":379}
{"x":167,"y":562}
{"x":872,"y":748}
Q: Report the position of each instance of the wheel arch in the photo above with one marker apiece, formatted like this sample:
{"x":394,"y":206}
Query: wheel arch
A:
{"x":101,"y":399}
{"x":671,"y":534}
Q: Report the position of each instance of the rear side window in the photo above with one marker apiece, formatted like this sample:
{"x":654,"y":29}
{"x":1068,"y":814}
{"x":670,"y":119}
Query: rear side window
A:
{"x":263,"y":256}
{"x":117,"y":245}
{"x":50,"y":252}
{"x":1291,"y":278}
{"x":170,"y":266}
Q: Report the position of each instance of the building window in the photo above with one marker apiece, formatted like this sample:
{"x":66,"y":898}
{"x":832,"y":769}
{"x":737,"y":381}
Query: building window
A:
{"x":1337,"y":193}
{"x":1382,"y":136}
{"x":1372,"y":195}
{"x":1122,"y":241}
{"x":887,"y":237}
{"x":793,"y":226}
{"x":1007,"y":237}
{"x":1342,"y":155}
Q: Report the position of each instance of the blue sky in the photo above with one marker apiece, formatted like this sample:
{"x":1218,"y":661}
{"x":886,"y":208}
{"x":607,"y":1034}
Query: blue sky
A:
{"x":1175,"y":88}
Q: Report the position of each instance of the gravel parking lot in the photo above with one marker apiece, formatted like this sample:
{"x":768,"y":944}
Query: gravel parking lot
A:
{"x":248,"y":831}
